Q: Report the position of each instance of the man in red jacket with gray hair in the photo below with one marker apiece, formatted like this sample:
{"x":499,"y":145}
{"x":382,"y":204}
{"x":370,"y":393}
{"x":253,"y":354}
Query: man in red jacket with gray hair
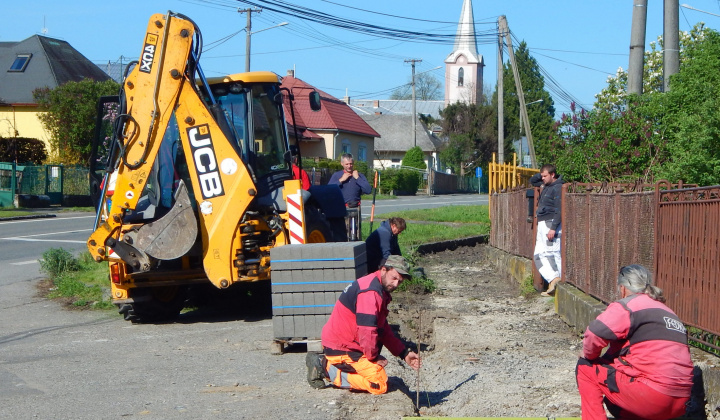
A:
{"x":356,"y":332}
{"x":646,"y":371}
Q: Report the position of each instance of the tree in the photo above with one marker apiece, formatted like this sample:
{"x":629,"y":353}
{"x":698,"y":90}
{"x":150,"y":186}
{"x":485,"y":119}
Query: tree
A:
{"x":673,"y":135}
{"x":540,"y":114}
{"x":414,"y":158}
{"x":427,"y":88}
{"x":615,"y":94}
{"x":691,"y":122}
{"x":472,"y":134}
{"x":606,"y":145}
{"x":70,"y":117}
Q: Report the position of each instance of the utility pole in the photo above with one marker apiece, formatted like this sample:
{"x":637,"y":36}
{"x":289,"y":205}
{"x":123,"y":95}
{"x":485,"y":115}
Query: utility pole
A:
{"x":671,"y":42}
{"x":248,"y":33}
{"x":518,"y":87}
{"x":637,"y":47}
{"x":412,"y":61}
{"x":501,"y":98}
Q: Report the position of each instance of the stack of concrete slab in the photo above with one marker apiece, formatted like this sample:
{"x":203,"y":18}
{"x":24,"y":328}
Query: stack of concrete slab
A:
{"x":307,"y":281}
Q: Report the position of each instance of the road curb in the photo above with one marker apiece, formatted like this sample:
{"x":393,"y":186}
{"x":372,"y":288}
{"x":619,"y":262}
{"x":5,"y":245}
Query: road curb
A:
{"x":30,"y":216}
{"x":450,"y":245}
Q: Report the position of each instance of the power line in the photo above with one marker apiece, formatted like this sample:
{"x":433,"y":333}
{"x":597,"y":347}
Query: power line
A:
{"x":404,"y":17}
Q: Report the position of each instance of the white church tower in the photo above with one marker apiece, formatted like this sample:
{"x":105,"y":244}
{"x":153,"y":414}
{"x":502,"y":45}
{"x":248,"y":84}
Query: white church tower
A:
{"x":464,"y":66}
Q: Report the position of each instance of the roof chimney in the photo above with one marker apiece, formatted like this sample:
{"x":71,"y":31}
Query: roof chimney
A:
{"x":376,"y":104}
{"x":291,"y":73}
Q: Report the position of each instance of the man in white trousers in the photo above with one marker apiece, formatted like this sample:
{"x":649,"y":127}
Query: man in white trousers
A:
{"x":549,"y":228}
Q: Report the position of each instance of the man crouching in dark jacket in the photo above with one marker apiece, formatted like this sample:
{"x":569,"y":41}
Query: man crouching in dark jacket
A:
{"x":383,"y":242}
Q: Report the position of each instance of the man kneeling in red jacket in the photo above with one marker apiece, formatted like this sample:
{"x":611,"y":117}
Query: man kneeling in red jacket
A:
{"x":357,"y":330}
{"x":646,"y":372}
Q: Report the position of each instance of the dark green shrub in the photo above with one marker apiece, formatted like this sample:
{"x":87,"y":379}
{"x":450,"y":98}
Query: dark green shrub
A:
{"x":56,"y":261}
{"x":28,"y":150}
{"x":402,"y":180}
{"x":414,"y":158}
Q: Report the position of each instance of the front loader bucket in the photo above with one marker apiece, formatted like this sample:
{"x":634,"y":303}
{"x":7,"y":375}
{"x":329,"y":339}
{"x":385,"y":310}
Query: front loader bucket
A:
{"x":172,"y":235}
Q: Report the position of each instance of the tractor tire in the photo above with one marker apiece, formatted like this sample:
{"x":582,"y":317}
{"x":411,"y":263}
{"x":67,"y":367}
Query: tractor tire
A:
{"x":156,"y":304}
{"x":317,"y":227}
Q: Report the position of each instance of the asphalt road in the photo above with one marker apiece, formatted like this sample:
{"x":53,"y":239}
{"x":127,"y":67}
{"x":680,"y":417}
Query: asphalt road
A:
{"x":422,"y":202}
{"x":22,"y":242}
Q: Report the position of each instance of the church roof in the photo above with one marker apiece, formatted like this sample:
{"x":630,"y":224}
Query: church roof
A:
{"x":465,"y":40}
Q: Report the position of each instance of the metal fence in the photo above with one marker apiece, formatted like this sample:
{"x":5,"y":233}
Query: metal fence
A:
{"x":55,"y":181}
{"x":605,"y":227}
{"x":673,"y":231}
{"x":510,"y":230}
{"x":687,"y":254}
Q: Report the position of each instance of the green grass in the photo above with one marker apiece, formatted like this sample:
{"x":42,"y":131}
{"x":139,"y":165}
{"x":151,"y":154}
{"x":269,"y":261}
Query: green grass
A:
{"x":81,"y":281}
{"x":455,"y":214}
{"x":12,"y":213}
{"x":77,"y":209}
{"x":527,"y":288}
{"x":472,"y":220}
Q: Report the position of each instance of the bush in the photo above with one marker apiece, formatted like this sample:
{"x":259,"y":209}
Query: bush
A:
{"x":415,"y":158}
{"x":28,"y":150}
{"x":401,"y":180}
{"x":56,"y":261}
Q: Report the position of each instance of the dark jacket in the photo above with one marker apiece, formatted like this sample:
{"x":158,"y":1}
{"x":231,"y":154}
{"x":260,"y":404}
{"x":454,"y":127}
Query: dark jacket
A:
{"x":379,"y":245}
{"x":549,"y":203}
{"x":352,"y":188}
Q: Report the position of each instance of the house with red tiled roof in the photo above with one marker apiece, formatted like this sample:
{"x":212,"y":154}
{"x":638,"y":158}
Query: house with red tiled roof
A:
{"x":333,"y":130}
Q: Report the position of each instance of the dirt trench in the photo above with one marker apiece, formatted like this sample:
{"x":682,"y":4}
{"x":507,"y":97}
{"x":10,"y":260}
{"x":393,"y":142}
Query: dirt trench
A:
{"x":486,"y":350}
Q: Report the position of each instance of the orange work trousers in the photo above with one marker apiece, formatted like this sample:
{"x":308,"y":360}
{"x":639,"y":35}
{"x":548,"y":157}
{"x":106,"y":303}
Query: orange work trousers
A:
{"x":361,"y":374}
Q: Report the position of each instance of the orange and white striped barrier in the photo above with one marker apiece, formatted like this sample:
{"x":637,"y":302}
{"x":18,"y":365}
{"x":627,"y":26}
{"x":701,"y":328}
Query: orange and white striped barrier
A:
{"x":296,"y":219}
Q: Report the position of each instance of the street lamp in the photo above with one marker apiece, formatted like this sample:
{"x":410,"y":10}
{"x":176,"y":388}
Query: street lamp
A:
{"x":687,"y":6}
{"x":521,"y":128}
{"x":247,"y":39}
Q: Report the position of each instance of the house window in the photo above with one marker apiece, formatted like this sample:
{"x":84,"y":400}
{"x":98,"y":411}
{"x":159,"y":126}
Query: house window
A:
{"x":461,"y":76}
{"x":21,"y":61}
{"x":346,"y":146}
{"x":396,"y":160}
{"x":362,"y":153}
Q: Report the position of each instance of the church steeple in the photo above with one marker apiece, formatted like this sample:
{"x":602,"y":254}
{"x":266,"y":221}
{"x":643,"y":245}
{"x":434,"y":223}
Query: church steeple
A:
{"x":464,"y":65}
{"x":465,"y":41}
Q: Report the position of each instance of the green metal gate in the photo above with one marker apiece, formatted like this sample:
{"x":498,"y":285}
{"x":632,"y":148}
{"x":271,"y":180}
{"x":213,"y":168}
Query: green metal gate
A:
{"x":54,"y":183}
{"x":7,"y":180}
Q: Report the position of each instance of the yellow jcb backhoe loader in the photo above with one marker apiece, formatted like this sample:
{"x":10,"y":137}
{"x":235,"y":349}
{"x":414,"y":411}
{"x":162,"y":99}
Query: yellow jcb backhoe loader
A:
{"x":193,"y":179}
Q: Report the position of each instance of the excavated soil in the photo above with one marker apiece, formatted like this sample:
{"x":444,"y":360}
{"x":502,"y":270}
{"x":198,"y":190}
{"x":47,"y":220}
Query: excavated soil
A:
{"x":486,"y":350}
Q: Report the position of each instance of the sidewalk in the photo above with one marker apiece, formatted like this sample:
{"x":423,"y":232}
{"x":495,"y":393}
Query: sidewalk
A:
{"x":32,"y":213}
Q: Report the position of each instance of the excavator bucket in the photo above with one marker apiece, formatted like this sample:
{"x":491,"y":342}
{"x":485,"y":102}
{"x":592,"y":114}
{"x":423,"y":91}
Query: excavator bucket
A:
{"x":172,"y":235}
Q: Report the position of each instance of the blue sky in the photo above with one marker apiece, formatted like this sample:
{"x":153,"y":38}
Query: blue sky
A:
{"x":579,"y":43}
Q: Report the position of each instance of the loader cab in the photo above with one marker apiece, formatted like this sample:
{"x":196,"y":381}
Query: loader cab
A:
{"x":252,"y":104}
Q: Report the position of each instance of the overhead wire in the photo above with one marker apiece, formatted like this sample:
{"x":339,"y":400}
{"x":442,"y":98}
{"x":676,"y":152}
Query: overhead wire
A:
{"x":303,"y":17}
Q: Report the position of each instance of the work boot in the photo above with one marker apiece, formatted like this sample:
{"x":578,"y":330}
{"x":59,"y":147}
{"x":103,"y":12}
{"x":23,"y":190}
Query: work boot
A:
{"x":315,"y":370}
{"x":551,"y":288}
